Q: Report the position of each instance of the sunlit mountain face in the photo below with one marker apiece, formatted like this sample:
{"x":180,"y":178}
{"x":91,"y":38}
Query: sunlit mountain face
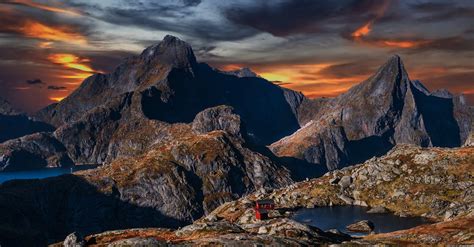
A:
{"x":322,"y":48}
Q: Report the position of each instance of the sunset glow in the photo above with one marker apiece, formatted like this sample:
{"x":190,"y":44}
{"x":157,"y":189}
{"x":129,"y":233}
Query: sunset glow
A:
{"x":404,"y":44}
{"x":71,"y":61}
{"x":34,"y":29}
{"x":362,"y":31}
{"x":57,"y":99}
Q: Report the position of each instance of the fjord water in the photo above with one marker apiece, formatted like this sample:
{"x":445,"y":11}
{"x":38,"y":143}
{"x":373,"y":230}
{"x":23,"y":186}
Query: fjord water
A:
{"x":41,"y":173}
{"x":338,"y":217}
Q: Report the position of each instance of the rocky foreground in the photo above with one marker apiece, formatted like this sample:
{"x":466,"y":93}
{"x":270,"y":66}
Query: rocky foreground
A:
{"x":199,"y":167}
{"x":436,"y":183}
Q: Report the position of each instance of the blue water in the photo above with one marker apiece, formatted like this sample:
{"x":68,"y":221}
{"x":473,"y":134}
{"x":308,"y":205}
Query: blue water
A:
{"x":338,"y":217}
{"x":41,"y":173}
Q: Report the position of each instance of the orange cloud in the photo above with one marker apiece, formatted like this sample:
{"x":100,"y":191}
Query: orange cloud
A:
{"x":71,"y":61}
{"x":45,"y":7}
{"x":57,"y":99}
{"x":405,"y":44}
{"x":365,"y":29}
{"x":312,"y":80}
{"x":34,"y":29}
{"x":45,"y":45}
{"x":362,"y":31}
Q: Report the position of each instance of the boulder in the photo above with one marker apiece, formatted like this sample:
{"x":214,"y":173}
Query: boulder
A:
{"x":345,"y":182}
{"x":74,"y":240}
{"x":377,"y":210}
{"x":361,"y":226}
{"x":218,"y":118}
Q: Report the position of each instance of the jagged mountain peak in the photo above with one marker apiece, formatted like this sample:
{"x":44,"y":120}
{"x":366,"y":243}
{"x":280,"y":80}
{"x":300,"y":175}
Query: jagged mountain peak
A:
{"x":391,"y":72}
{"x":171,"y":51}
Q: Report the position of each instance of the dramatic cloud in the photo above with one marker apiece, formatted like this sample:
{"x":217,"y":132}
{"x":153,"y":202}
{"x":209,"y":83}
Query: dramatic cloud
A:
{"x":321,"y":47}
{"x":304,"y":16}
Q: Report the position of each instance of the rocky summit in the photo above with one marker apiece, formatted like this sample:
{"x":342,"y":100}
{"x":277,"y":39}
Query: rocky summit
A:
{"x":373,"y":116}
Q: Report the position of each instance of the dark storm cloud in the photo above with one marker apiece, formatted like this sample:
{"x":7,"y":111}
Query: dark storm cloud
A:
{"x":57,"y":88}
{"x":34,"y":81}
{"x":417,"y":45}
{"x":303,"y":16}
{"x":439,"y":11}
{"x":166,"y":16}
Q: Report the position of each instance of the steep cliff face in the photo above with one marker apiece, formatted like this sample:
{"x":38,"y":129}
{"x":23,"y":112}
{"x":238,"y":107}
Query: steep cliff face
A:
{"x":372,"y":117}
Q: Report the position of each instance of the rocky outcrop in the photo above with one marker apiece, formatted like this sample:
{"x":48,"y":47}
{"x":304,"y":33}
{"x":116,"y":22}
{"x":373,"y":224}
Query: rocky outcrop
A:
{"x":33,"y":152}
{"x":73,"y":240}
{"x":373,"y":116}
{"x":218,"y":118}
{"x":177,"y":180}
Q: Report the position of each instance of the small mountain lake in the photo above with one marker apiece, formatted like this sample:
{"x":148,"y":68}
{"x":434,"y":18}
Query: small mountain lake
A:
{"x":338,"y":217}
{"x":41,"y":173}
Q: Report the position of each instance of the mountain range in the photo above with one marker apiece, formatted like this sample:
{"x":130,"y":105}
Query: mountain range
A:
{"x":176,"y":138}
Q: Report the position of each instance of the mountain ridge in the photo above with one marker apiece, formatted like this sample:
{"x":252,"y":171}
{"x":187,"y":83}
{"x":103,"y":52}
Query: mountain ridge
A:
{"x":368,"y":120}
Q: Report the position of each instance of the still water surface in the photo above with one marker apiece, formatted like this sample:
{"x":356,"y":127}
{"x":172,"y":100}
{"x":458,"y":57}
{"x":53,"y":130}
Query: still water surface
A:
{"x":338,"y":217}
{"x":41,"y":173}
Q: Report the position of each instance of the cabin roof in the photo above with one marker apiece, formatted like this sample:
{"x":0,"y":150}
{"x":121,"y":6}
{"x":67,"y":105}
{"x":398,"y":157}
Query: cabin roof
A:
{"x":266,"y":201}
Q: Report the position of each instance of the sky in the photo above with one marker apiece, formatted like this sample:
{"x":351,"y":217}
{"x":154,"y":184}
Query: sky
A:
{"x":319,"y":47}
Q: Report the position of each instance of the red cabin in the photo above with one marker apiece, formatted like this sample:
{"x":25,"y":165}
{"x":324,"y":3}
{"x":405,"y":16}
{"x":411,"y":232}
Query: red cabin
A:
{"x":262,"y":207}
{"x":261,"y":214}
